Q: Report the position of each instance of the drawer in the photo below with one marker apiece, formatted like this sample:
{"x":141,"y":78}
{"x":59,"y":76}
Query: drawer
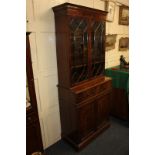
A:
{"x":30,"y":118}
{"x":93,"y":91}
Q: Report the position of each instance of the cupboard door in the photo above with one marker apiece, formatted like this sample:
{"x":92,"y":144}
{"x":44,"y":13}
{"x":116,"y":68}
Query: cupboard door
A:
{"x":97,"y":48}
{"x":86,"y":120}
{"x":103,"y":108}
{"x":79,"y":49}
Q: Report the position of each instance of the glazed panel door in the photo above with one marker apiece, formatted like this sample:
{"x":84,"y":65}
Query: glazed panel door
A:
{"x":97,"y":47}
{"x":79,"y":49}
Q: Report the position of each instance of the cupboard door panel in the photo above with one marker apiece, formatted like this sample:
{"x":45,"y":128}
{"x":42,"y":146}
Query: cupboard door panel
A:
{"x":103,"y":108}
{"x":86,"y":120}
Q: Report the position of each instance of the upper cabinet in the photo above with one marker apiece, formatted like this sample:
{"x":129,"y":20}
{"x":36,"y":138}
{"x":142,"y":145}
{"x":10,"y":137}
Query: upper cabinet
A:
{"x":80,"y":43}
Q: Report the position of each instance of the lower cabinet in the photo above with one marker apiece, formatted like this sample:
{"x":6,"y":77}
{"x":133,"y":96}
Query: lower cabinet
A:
{"x":85,"y":111}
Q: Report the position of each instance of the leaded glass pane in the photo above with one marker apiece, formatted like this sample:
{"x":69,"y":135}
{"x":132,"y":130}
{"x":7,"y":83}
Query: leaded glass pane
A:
{"x":97,"y":49}
{"x":79,"y":49}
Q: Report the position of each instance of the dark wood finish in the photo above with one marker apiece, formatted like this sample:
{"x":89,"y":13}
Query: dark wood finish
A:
{"x":30,"y":78}
{"x":119,"y":104}
{"x":103,"y":108}
{"x":33,"y":132}
{"x":73,"y":24}
{"x":84,"y":91}
{"x":81,"y":120}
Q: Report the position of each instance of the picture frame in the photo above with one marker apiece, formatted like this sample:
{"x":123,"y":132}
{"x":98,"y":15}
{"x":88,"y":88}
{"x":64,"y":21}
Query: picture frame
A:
{"x":110,"y":8}
{"x":110,"y":41}
{"x":123,"y":44}
{"x":123,"y":15}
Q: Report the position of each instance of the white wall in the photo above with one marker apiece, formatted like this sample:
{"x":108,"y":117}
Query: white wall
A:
{"x":112,"y":56}
{"x":43,"y":50}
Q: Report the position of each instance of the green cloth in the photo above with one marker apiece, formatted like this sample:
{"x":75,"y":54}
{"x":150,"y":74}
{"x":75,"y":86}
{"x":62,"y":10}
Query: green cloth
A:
{"x":120,"y":77}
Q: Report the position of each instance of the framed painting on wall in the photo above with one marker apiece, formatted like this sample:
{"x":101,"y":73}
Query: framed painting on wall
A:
{"x":110,"y":41}
{"x":123,"y":44}
{"x":124,"y":15}
{"x":110,"y":8}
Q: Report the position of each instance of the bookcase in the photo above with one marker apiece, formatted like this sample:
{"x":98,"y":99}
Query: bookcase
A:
{"x":84,"y":90}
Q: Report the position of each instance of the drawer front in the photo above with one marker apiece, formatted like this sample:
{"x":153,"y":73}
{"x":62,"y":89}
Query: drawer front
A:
{"x":96,"y":90}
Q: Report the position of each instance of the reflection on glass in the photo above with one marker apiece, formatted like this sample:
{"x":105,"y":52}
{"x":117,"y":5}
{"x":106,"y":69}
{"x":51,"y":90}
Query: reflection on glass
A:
{"x":28,"y":104}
